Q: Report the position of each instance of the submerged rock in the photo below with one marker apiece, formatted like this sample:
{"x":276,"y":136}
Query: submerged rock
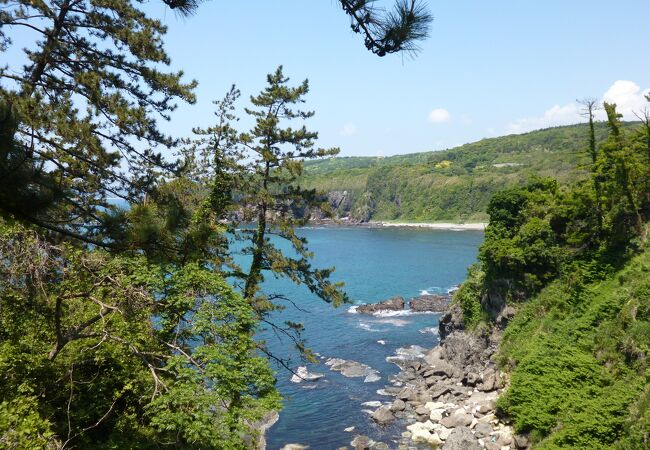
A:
{"x":392,"y":304}
{"x":430,"y":303}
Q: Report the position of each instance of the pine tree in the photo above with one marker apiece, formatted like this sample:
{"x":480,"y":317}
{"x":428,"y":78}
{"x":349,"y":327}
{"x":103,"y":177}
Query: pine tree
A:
{"x":87,"y":103}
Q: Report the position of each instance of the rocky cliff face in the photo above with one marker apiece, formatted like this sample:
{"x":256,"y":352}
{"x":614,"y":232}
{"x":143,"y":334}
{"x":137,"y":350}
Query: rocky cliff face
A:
{"x":447,"y":395}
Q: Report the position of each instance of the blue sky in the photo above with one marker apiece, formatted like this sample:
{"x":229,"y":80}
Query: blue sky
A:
{"x":489,"y":67}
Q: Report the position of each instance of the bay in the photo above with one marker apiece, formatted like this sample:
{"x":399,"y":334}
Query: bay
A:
{"x":375,"y":263}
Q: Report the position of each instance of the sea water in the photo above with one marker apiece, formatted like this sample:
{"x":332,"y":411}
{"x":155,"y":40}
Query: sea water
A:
{"x":375,"y":264}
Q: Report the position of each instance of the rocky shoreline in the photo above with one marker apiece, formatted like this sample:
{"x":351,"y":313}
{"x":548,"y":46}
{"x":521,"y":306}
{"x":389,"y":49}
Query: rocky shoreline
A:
{"x":446,"y":397}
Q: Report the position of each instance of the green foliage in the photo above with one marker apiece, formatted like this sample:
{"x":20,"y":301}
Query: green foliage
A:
{"x":456,"y":184}
{"x":98,"y":350}
{"x":579,"y":362}
{"x":469,"y":295}
{"x":91,"y":85}
{"x":578,"y":347}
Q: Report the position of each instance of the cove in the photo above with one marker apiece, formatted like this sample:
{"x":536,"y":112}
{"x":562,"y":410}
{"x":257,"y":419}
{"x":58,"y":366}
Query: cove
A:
{"x":375,"y":263}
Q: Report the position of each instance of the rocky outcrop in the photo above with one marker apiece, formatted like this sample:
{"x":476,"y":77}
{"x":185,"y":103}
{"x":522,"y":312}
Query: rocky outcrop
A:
{"x":302,"y":374}
{"x":392,"y":304}
{"x":352,"y":369}
{"x":447,"y":395}
{"x":451,"y":321}
{"x":430,"y":303}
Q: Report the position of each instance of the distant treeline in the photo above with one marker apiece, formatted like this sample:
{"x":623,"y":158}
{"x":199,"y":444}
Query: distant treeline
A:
{"x":450,"y":185}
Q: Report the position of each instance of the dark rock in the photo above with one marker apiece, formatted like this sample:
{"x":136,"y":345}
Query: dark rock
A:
{"x":451,"y":321}
{"x":465,"y":350}
{"x":383,"y":415}
{"x":461,"y":439}
{"x":392,"y":304}
{"x":430,"y":303}
{"x":472,"y":378}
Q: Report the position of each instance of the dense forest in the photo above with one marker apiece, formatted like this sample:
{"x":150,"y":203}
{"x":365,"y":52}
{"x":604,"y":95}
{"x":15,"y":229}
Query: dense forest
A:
{"x":453,"y":185}
{"x":573,"y":261}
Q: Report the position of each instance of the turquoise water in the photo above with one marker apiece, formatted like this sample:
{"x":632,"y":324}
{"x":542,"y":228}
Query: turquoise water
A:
{"x":375,"y":264}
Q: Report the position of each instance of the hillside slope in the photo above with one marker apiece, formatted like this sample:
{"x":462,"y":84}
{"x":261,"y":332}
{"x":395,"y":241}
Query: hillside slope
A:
{"x":450,"y":185}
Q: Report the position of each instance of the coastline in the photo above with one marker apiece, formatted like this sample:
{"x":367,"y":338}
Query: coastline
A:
{"x":475,"y":226}
{"x":469,"y":226}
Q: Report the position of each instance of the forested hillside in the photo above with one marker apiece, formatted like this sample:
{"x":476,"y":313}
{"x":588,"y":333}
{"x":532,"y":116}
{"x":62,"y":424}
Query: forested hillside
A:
{"x":451,"y":185}
{"x":573,"y":262}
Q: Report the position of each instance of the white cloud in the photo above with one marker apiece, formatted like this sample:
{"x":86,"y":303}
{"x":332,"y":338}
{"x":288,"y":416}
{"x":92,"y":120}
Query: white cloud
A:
{"x":439,"y":115}
{"x":552,"y":117}
{"x":348,"y":129}
{"x":627,"y":95}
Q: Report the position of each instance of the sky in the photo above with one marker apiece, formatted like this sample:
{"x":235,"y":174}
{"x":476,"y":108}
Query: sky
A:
{"x":489,"y":68}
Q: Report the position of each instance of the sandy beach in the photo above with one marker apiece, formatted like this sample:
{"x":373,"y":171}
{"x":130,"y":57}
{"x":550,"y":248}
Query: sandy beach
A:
{"x":480,"y":226}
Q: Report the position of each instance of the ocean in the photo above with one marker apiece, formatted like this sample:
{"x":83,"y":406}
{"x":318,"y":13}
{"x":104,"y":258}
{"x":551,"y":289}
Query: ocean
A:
{"x":375,"y":264}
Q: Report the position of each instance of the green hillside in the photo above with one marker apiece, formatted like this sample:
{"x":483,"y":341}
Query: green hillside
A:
{"x":450,"y":185}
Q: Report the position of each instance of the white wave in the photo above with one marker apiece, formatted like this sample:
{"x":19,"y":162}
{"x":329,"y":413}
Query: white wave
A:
{"x":413,"y":351}
{"x":395,"y":322}
{"x":403,"y":312}
{"x":368,"y":411}
{"x":353,"y":309}
{"x":429,"y":330}
{"x":383,"y":392}
{"x":367,"y":327}
{"x":372,"y":404}
{"x":381,"y":341}
{"x":453,"y":289}
{"x":372,"y":377}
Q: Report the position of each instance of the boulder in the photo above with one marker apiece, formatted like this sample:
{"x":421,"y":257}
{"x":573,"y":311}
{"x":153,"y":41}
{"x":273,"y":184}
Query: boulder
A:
{"x":436,"y":415}
{"x":423,"y":433}
{"x":397,"y":405}
{"x":302,"y":374}
{"x":482,"y":430}
{"x":383,"y":415}
{"x":461,"y":439}
{"x":407,"y":394}
{"x":442,"y":431}
{"x":440,"y":391}
{"x":392,"y":304}
{"x":430,"y":303}
{"x":459,"y":418}
{"x":361,"y":442}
